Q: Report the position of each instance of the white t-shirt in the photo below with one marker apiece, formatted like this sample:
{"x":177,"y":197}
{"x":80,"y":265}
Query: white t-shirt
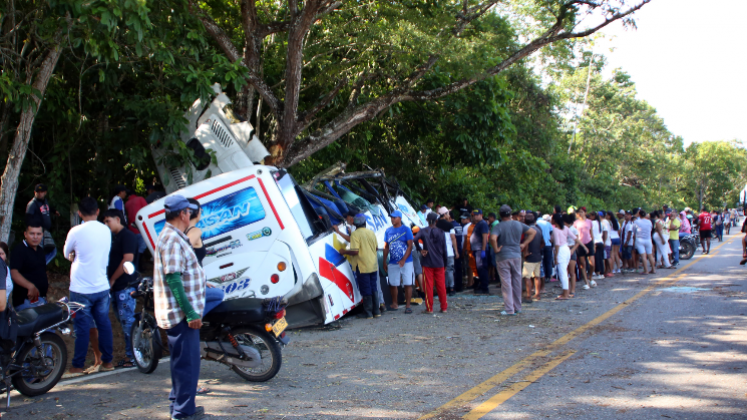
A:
{"x":91,"y":243}
{"x":607,"y":227}
{"x":449,"y":245}
{"x":643,"y":229}
{"x":596,"y":231}
{"x":572,"y":242}
{"x":612,"y":234}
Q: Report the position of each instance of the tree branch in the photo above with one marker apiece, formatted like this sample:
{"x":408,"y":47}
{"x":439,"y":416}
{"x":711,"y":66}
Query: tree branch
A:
{"x":225,"y":44}
{"x":354,"y":115}
{"x":305,"y":119}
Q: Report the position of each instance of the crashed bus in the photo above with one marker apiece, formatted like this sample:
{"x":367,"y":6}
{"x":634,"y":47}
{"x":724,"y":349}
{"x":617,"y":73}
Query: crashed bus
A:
{"x":266,"y":235}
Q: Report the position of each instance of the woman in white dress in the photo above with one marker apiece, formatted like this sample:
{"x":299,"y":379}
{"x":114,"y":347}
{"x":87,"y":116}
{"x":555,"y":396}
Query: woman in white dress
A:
{"x":661,"y":241}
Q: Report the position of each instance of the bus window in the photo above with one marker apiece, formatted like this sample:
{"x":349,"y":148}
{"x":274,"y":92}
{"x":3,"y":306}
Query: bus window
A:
{"x":288,"y":188}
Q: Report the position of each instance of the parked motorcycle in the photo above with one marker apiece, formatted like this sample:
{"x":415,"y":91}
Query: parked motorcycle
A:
{"x":245,"y":334}
{"x":39,"y":358}
{"x":689,"y":243}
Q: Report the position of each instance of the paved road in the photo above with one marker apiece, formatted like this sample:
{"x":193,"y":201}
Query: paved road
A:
{"x":629,"y":349}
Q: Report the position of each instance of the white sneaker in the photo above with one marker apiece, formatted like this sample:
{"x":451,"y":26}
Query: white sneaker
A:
{"x":586,"y":287}
{"x":597,"y":277}
{"x":593,"y":283}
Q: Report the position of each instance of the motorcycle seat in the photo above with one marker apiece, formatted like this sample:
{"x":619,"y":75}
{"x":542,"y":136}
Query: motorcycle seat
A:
{"x":37,"y":319}
{"x":243,"y":310}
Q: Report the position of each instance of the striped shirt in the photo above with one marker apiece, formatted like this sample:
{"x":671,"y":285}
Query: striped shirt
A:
{"x":174,"y":254}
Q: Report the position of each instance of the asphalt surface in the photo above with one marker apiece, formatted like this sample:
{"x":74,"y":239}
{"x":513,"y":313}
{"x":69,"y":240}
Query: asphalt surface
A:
{"x":628,"y":349}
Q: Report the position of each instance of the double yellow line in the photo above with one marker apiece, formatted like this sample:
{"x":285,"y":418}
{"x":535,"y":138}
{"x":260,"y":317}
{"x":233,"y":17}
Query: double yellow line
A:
{"x":503,"y":396}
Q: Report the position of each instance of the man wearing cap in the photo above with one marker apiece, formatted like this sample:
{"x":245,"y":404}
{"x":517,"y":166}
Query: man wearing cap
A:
{"x":363,"y":246}
{"x":399,"y":267}
{"x":434,"y":262}
{"x":179,"y":295}
{"x":505,"y":238}
{"x":444,"y":223}
{"x":479,"y":245}
{"x":39,"y":213}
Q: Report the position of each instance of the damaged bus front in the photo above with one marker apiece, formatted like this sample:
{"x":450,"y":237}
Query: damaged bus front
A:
{"x":266,"y":235}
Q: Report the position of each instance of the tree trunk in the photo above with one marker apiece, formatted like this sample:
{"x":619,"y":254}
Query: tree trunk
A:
{"x":17,"y":152}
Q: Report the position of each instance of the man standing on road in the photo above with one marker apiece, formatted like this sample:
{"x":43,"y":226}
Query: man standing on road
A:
{"x":179,"y":295}
{"x":124,"y":249}
{"x":704,"y":225}
{"x":547,"y":256}
{"x":363,"y":246}
{"x":479,"y":246}
{"x":28,"y":269}
{"x":533,"y":258}
{"x":434,"y":262}
{"x":87,"y":246}
{"x":458,"y":273}
{"x":398,"y":246}
{"x":39,"y":213}
{"x":674,"y":236}
{"x":506,"y":241}
{"x":444,"y":223}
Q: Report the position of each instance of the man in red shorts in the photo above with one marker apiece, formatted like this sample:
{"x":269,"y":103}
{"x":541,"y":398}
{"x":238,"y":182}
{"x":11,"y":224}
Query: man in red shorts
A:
{"x":704,"y":224}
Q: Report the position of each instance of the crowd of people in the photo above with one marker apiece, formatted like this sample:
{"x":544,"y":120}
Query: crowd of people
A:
{"x":523,"y":250}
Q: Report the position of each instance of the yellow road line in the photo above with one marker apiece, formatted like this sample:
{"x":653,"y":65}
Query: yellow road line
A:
{"x":496,"y":380}
{"x":514,"y":389}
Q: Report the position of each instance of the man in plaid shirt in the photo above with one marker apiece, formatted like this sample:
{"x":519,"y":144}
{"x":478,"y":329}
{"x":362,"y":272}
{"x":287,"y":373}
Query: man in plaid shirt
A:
{"x":179,"y":293}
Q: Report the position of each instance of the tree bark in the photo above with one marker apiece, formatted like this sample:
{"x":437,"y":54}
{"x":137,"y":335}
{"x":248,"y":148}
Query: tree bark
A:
{"x":17,"y":152}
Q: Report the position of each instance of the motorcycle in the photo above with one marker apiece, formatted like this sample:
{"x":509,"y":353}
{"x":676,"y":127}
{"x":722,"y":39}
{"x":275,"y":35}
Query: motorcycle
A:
{"x":246,"y":334}
{"x":38,"y":359}
{"x":689,"y":243}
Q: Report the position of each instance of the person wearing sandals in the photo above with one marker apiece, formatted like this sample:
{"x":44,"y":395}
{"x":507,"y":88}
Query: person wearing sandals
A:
{"x":87,"y":246}
{"x":398,"y":247}
{"x":124,"y":249}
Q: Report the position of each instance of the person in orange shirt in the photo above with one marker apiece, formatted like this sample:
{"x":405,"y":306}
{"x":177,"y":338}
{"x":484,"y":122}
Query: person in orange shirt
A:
{"x":468,"y":252}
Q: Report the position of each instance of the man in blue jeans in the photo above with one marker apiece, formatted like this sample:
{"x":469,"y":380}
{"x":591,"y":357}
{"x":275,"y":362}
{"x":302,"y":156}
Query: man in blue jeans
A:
{"x":87,"y":246}
{"x":124,"y":249}
{"x":179,"y":291}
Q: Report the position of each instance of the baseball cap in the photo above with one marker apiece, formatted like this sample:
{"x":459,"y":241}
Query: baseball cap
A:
{"x":621,"y":211}
{"x":669,"y":211}
{"x":476,"y":211}
{"x":396,"y":213}
{"x":505,"y":210}
{"x":601,"y":213}
{"x":464,"y":216}
{"x":442,"y":211}
{"x":582,"y":208}
{"x":40,"y":188}
{"x":177,"y":202}
{"x":423,"y":207}
{"x":571,"y":210}
{"x":359,"y":220}
{"x":431,"y":217}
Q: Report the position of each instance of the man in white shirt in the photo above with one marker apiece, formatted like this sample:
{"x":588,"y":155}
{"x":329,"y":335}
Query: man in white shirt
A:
{"x":87,"y":246}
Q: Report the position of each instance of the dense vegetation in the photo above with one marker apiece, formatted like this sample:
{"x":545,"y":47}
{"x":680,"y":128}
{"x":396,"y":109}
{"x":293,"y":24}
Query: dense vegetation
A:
{"x":126,"y":70}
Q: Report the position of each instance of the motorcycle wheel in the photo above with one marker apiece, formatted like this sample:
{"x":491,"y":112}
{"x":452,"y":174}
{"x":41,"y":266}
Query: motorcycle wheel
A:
{"x":267,"y":347}
{"x":49,"y":368}
{"x":146,"y":346}
{"x":687,"y":250}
